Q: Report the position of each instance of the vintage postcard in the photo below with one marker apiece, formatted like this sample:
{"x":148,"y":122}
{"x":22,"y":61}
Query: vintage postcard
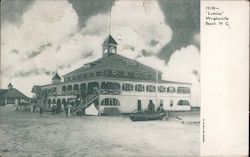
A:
{"x":118,"y":78}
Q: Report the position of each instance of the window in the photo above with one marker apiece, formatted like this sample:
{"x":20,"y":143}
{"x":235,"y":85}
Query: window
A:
{"x":127,"y":87}
{"x":79,"y":77}
{"x":69,"y":88}
{"x":114,"y":72}
{"x":131,"y":63}
{"x":84,"y":75}
{"x":103,"y":72}
{"x":139,"y":105}
{"x":83,"y":87}
{"x":161,"y":102}
{"x":68,"y":78}
{"x":139,"y":88}
{"x":110,"y":85}
{"x":64,"y":88}
{"x":171,"y":103}
{"x":53,"y":89}
{"x":146,"y":75}
{"x":125,"y":73}
{"x":136,"y":74}
{"x":110,"y":102}
{"x":161,"y":89}
{"x":10,"y":101}
{"x":183,"y":103}
{"x":171,"y":89}
{"x":76,"y":87}
{"x":73,"y":77}
{"x":151,"y":88}
{"x":183,"y":90}
{"x":92,"y":86}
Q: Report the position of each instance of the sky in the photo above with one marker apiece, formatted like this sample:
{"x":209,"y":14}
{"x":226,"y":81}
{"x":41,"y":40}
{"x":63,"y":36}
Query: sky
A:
{"x":39,"y":37}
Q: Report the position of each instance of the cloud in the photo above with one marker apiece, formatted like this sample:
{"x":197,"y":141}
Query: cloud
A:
{"x":50,"y":39}
{"x":140,"y":25}
{"x":41,"y":49}
{"x":183,"y":66}
{"x":183,"y":16}
{"x":12,"y":10}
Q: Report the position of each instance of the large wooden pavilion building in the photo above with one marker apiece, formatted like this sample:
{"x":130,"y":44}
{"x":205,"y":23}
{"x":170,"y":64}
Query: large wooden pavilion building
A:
{"x":116,"y":82}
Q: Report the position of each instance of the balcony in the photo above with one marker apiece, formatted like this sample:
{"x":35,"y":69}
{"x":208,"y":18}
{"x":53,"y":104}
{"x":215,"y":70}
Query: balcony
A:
{"x":110,"y":91}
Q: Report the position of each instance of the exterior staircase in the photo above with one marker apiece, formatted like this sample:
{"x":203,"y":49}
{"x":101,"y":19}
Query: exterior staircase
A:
{"x":85,"y":102}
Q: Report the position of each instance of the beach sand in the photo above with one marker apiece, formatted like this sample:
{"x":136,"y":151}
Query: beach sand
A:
{"x":26,"y":134}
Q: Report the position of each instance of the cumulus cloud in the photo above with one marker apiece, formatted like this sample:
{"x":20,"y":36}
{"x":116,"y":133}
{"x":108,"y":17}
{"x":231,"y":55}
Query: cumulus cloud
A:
{"x":140,"y":25}
{"x":50,"y":38}
{"x":183,"y":66}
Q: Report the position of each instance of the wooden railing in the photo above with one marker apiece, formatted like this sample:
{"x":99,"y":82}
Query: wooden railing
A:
{"x":85,"y":102}
{"x":110,"y":91}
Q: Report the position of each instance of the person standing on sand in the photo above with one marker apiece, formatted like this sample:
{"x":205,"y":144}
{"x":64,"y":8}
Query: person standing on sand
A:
{"x":41,"y":111}
{"x":66,"y":109}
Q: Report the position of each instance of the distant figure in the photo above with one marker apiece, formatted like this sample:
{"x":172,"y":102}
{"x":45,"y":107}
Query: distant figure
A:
{"x":53,"y":109}
{"x":65,"y":108}
{"x":41,"y":111}
{"x":160,"y":109}
{"x":69,"y":108}
{"x":151,"y":106}
{"x":32,"y":108}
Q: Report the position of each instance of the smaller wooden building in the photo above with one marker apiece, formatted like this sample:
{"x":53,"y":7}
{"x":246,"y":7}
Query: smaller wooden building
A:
{"x":12,"y":96}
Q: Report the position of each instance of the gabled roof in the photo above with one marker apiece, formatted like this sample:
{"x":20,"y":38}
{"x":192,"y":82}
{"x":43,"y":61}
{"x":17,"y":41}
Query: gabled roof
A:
{"x":36,"y":88}
{"x":10,"y":85}
{"x":110,"y":40}
{"x":56,"y":77}
{"x":13,"y":93}
{"x":114,"y":61}
{"x":3,"y":91}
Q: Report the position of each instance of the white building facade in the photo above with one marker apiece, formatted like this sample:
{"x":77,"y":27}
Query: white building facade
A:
{"x":116,"y":82}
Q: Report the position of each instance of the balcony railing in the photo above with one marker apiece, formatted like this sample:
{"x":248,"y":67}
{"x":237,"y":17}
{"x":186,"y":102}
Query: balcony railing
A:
{"x":110,"y":91}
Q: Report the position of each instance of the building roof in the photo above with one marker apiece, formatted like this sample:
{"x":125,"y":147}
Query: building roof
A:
{"x":114,"y":61}
{"x":36,"y":88}
{"x":110,"y":40}
{"x":56,"y":77}
{"x":10,"y":85}
{"x":2,"y":92}
{"x":12,"y":93}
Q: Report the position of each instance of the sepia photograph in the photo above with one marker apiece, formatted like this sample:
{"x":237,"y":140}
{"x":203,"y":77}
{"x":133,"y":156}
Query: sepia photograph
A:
{"x":100,"y":78}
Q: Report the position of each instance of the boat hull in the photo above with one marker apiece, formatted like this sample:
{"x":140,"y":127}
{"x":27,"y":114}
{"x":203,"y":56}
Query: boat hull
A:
{"x":147,"y":116}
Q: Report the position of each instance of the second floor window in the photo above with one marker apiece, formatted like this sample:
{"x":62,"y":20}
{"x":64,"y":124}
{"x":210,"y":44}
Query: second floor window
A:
{"x":151,"y":88}
{"x":139,"y":88}
{"x":127,"y":87}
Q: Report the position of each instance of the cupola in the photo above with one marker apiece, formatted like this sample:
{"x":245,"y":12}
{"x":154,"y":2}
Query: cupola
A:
{"x":109,"y":46}
{"x":56,"y":79}
{"x":10,"y":86}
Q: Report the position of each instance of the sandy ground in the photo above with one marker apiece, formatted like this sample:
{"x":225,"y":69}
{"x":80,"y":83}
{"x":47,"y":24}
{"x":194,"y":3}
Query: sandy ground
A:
{"x":25,"y":134}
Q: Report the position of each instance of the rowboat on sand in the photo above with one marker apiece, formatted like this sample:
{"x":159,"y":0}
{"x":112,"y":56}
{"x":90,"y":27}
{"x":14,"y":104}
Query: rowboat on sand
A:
{"x":146,"y":116}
